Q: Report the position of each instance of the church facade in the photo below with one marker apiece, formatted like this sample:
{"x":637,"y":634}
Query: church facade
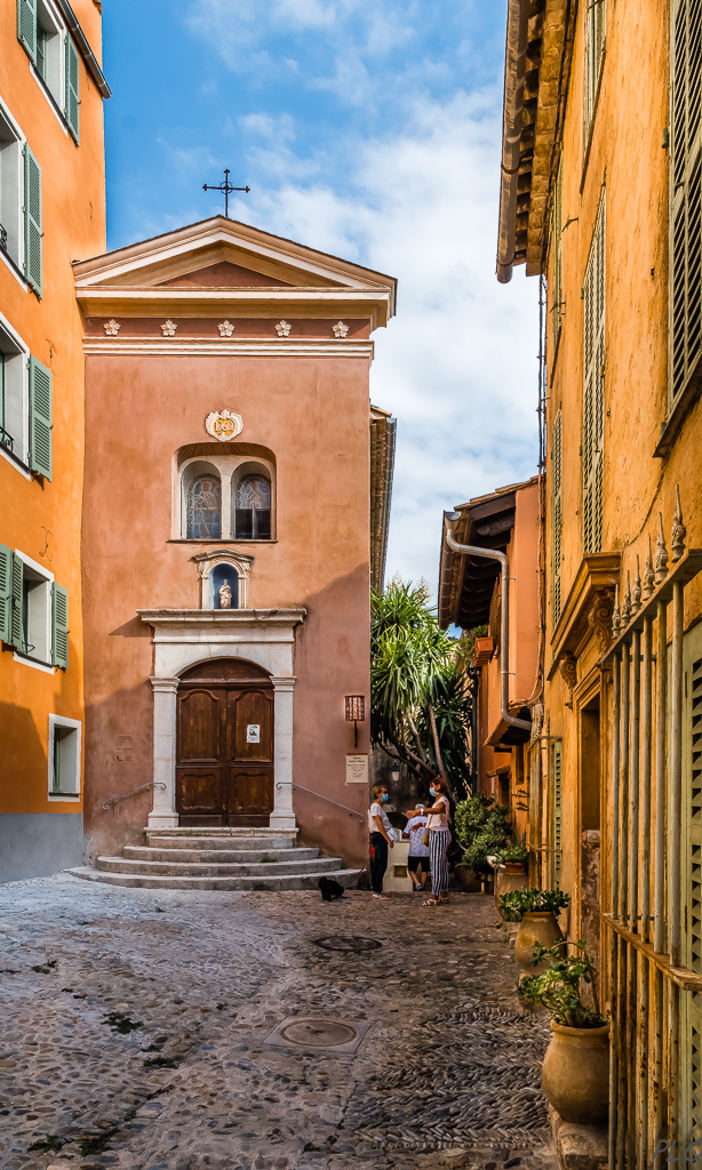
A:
{"x":236,"y":498}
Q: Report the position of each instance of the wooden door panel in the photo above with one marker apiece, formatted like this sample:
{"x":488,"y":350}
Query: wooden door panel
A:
{"x":251,"y":709}
{"x":200,"y":792}
{"x":250,"y":794}
{"x":200,"y":719}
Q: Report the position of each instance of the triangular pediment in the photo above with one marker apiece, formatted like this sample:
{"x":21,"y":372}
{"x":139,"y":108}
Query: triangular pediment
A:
{"x":223,"y":274}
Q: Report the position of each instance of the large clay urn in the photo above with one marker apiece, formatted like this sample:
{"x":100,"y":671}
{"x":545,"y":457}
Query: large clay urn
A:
{"x":508,"y":877}
{"x":537,"y":926}
{"x":575,"y":1075}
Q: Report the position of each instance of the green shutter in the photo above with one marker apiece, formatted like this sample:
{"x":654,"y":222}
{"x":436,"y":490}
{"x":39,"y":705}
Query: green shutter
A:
{"x":686,"y":197}
{"x":32,"y":220}
{"x":5,"y":594}
{"x":557,"y":235}
{"x":39,"y":418}
{"x":72,"y":83}
{"x":27,"y":26}
{"x":593,"y":386}
{"x":557,"y":799}
{"x":59,"y":626}
{"x":17,"y":632}
{"x":556,"y":516}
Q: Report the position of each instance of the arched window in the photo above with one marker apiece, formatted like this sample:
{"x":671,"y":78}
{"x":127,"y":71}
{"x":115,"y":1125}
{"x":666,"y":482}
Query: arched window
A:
{"x":253,"y":508}
{"x":204,"y":508}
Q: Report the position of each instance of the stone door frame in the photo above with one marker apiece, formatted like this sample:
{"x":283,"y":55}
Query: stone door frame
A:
{"x":183,"y":638}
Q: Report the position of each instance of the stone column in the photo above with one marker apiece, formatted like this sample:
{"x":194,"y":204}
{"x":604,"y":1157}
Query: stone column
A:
{"x":283,"y":816}
{"x":163,"y":813}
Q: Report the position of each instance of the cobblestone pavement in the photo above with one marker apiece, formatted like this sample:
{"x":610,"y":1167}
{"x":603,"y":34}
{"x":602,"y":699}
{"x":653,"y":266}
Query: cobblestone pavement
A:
{"x":136,"y":1032}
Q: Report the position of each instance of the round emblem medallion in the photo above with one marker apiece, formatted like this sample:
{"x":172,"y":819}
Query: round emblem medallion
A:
{"x":223,"y":425}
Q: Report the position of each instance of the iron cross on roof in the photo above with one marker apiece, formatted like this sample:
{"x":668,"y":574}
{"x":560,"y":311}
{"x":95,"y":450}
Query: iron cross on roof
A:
{"x":226,"y":186}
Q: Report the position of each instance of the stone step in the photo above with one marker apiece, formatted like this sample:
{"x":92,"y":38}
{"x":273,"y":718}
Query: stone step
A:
{"x":223,"y":831}
{"x":208,"y":854}
{"x":253,"y":841}
{"x":348,"y":878}
{"x":317,"y":865}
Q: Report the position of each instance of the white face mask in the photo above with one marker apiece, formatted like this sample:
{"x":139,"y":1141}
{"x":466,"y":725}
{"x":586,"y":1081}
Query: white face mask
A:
{"x":433,"y":792}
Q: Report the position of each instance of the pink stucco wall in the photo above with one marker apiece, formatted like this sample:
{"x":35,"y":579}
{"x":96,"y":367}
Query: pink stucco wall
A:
{"x":313,"y":415}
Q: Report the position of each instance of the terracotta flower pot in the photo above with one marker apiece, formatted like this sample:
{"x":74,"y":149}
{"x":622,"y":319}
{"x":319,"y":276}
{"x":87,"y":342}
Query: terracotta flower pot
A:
{"x":575,"y":1075}
{"x":511,"y":876}
{"x":537,"y":926}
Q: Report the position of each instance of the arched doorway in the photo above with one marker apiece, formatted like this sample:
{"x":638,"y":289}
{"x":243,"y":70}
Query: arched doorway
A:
{"x":224,"y":761}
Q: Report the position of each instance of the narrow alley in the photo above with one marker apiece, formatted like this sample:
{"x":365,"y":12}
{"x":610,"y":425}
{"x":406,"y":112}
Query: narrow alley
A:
{"x":165,"y":1030}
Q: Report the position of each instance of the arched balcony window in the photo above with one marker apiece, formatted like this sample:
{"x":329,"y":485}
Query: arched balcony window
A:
{"x":204,"y":508}
{"x":252,"y":520}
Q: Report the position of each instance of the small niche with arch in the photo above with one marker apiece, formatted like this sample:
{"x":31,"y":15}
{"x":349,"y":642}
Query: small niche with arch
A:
{"x":224,"y":578}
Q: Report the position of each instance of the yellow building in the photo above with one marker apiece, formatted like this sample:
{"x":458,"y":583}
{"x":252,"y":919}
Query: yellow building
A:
{"x":601,"y":197}
{"x":52,"y":211}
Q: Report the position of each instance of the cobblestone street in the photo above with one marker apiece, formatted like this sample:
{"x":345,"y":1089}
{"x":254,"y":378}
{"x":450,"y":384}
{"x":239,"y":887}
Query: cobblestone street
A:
{"x":139,"y":1031}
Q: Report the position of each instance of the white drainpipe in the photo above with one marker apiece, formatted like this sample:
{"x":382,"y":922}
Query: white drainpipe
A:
{"x":474,"y":550}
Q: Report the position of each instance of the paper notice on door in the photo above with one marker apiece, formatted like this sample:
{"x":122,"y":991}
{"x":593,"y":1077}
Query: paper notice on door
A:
{"x":356,"y":769}
{"x":253,"y":733}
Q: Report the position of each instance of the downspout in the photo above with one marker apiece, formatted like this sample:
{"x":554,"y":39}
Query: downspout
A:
{"x":474,"y":550}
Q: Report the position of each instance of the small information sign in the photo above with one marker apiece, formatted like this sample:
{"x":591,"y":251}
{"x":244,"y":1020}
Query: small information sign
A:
{"x":253,"y":733}
{"x":357,"y":769}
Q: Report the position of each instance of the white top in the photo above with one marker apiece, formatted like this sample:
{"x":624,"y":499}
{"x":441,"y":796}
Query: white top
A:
{"x":377,"y":810}
{"x":439,"y":820}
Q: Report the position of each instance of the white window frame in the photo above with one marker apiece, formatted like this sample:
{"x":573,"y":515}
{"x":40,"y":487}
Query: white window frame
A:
{"x":54,"y":89}
{"x":12,"y":192}
{"x":75,"y":726}
{"x":41,"y":664}
{"x":20,"y":376}
{"x":229,"y":467}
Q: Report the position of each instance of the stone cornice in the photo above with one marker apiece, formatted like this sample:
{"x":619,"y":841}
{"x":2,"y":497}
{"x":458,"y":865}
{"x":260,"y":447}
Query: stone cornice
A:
{"x":214,"y":347}
{"x":223,"y":617}
{"x":595,"y":580}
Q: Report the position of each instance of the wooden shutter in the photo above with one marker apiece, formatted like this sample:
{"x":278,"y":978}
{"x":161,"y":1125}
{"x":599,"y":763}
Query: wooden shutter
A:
{"x":556,"y":235}
{"x":27,"y":26}
{"x":32,"y":220}
{"x":557,"y":811}
{"x":17,"y":632}
{"x":72,"y":84}
{"x":556,"y":516}
{"x":59,"y":626}
{"x":40,"y":454}
{"x":686,"y":197}
{"x":691,"y":1031}
{"x":593,"y":386}
{"x":5,"y":594}
{"x":595,"y":27}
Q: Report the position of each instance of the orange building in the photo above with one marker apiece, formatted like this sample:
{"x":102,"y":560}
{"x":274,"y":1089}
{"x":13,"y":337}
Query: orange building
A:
{"x":52,"y":210}
{"x":236,"y":504}
{"x":470,"y":596}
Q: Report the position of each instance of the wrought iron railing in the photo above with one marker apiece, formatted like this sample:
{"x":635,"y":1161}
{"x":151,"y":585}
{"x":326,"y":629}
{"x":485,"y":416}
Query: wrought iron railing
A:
{"x":320,"y":796}
{"x":123,"y":795}
{"x":3,"y":238}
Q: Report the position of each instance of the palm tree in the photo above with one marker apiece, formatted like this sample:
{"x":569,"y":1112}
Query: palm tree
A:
{"x":420,"y":700}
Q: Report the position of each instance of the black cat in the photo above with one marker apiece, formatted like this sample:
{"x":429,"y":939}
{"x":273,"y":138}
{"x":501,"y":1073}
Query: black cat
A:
{"x":330,"y":889}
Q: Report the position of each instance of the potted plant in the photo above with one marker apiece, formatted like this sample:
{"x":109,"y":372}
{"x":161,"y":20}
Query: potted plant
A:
{"x":535,"y":911}
{"x":480,"y":827}
{"x":576,"y":1066}
{"x":510,"y":871}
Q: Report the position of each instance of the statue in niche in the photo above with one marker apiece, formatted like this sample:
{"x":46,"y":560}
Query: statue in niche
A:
{"x":225,"y":595}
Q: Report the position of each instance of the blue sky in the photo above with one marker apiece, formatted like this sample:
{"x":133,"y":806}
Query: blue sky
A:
{"x":372,"y":132}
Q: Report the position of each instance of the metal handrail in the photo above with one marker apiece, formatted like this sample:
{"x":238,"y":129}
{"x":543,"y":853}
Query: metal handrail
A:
{"x":124,"y":795}
{"x":353,"y":812}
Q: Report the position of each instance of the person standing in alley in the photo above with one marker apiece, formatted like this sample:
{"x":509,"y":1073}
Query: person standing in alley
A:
{"x":380,"y":839}
{"x":439,"y":838}
{"x":418,"y":859}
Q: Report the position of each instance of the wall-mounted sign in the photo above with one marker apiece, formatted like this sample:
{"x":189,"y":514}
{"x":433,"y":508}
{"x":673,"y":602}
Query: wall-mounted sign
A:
{"x":224,"y":425}
{"x":253,"y":733}
{"x":357,"y":769}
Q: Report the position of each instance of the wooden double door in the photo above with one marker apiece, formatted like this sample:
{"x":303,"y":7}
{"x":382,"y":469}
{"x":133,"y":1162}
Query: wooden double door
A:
{"x":224,"y":762}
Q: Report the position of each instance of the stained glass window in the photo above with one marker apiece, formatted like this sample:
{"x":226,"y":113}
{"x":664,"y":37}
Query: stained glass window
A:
{"x":253,"y":508}
{"x":205,"y":508}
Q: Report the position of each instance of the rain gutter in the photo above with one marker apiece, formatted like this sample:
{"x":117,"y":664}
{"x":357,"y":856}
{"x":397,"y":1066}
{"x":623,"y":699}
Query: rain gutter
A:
{"x":515,"y":75}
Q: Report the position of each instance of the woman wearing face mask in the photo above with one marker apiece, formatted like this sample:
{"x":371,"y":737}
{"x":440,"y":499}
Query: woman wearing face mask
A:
{"x":439,"y":839}
{"x":380,"y":839}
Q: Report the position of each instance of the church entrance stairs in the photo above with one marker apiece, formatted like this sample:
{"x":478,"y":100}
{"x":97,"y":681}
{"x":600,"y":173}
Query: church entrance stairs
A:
{"x":219,"y":859}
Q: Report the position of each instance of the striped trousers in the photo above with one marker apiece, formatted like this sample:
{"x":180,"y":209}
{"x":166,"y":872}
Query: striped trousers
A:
{"x":438,"y":844}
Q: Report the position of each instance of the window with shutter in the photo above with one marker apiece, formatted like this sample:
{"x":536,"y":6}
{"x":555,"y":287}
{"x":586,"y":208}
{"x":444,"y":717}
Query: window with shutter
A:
{"x":595,"y":27}
{"x":59,"y":625}
{"x":556,"y":517}
{"x":593,"y":386}
{"x":556,"y":236}
{"x":17,"y":632}
{"x":72,"y":108}
{"x":691,"y":1034}
{"x":557,"y":812}
{"x":27,"y":26}
{"x":40,"y":453}
{"x":686,"y":198}
{"x":32,"y":220}
{"x":5,"y":594}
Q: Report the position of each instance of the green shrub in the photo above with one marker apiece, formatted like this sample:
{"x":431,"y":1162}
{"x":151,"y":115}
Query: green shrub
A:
{"x":560,"y":987}
{"x":515,"y":905}
{"x":481,"y":829}
{"x":514,"y":852}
